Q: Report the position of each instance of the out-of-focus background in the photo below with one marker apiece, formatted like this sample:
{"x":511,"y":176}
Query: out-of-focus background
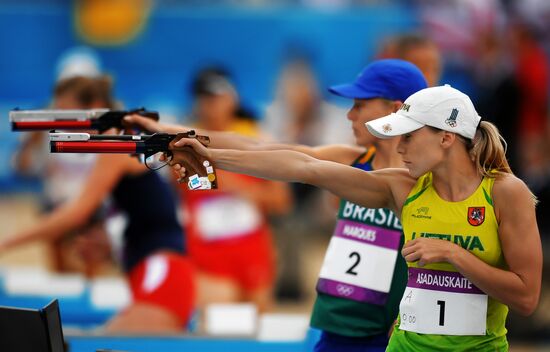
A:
{"x":280,"y":56}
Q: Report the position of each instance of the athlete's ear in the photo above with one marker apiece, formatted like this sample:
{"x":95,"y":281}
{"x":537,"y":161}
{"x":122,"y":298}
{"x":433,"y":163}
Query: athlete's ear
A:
{"x":447,"y":139}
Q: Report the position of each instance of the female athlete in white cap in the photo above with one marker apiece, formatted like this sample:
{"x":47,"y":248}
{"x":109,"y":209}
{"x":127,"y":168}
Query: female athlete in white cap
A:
{"x":471,"y":237}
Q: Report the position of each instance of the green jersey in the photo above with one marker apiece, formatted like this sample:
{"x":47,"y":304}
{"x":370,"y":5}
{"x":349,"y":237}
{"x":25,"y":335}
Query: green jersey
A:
{"x":363,"y":275}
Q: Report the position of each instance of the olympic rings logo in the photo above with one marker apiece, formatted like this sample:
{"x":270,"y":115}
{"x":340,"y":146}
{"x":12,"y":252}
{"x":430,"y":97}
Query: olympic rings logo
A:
{"x":344,"y":290}
{"x":411,"y":318}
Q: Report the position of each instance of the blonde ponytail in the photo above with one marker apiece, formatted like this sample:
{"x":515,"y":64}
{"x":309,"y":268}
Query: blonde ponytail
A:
{"x":488,"y":151}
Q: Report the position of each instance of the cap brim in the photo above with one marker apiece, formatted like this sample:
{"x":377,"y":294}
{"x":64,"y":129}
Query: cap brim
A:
{"x":352,"y":91}
{"x":392,"y":125}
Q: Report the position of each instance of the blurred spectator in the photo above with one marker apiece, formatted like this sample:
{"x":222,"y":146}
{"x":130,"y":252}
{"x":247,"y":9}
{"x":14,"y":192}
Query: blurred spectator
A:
{"x":64,"y":174}
{"x":532,"y":75}
{"x":529,"y":134}
{"x":531,"y":72}
{"x":512,"y":67}
{"x":158,"y":272}
{"x":496,"y":83}
{"x":229,"y":237}
{"x":300,"y":115}
{"x":536,"y":13}
{"x":454,"y":25}
{"x":417,"y":49}
{"x":511,"y":74}
{"x":78,"y":61}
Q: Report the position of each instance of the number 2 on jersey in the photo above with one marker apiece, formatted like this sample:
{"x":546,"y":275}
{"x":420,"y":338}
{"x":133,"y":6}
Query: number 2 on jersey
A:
{"x":357,"y":260}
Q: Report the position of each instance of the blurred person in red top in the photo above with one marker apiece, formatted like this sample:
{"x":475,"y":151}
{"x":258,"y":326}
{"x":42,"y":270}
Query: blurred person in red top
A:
{"x":229,"y":238}
{"x":531,"y":72}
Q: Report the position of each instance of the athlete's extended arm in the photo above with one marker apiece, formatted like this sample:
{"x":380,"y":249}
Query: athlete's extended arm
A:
{"x":343,"y":154}
{"x":518,"y":286}
{"x":74,"y":213}
{"x":379,"y":189}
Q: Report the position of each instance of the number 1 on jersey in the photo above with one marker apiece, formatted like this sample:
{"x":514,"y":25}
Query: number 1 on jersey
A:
{"x":441,"y":305}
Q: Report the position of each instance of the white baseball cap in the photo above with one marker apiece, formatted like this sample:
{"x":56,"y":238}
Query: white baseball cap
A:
{"x":441,"y":107}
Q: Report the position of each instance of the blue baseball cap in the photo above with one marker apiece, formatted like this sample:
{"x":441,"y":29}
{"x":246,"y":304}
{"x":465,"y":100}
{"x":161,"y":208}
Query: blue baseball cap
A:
{"x":391,"y":79}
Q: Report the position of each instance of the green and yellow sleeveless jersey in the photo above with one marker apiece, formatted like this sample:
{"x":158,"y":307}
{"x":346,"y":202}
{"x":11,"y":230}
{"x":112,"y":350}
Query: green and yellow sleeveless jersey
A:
{"x":441,"y":310}
{"x":363,"y":274}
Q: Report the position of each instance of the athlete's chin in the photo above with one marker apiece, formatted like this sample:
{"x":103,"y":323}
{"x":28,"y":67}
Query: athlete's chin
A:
{"x":413,"y":171}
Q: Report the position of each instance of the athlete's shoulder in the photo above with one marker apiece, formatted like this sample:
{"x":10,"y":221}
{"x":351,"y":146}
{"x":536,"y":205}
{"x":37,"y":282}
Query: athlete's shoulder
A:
{"x":509,"y":189}
{"x":400,"y":182}
{"x":399,"y":172}
{"x":401,"y":176}
{"x":505,"y":182}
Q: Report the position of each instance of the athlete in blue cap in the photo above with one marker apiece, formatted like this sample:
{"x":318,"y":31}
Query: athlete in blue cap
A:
{"x":363,"y":276}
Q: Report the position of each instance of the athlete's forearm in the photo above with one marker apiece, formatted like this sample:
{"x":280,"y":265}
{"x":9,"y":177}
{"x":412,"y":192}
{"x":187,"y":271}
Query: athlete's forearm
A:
{"x":280,"y":165}
{"x":343,"y":154}
{"x":232,"y":140}
{"x":290,"y":166}
{"x":502,"y":285}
